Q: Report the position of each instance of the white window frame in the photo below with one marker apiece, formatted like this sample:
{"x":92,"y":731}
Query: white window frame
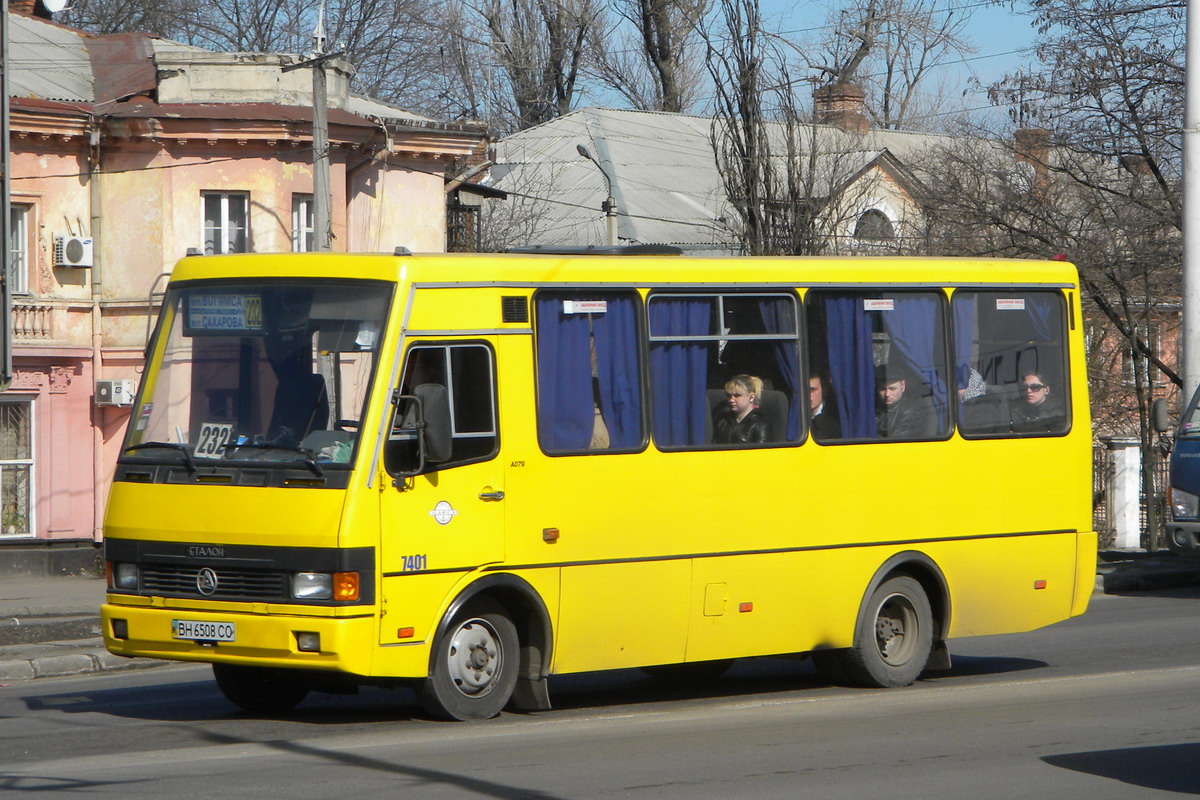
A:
{"x":303,"y":223}
{"x":220,"y":238}
{"x":25,"y":464}
{"x":18,"y":249}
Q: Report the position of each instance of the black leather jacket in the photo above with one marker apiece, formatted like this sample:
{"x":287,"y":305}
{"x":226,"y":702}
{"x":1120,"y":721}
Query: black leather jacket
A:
{"x":753,"y":429}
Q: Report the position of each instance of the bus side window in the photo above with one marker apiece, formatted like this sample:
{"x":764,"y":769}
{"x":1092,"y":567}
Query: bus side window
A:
{"x":879,"y":359}
{"x":699,"y":341}
{"x":1010,"y":363}
{"x":589,"y":392}
{"x":467,"y":373}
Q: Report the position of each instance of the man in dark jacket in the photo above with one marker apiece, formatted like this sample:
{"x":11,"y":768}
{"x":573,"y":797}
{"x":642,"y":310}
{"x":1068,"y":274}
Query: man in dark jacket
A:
{"x":901,"y":417}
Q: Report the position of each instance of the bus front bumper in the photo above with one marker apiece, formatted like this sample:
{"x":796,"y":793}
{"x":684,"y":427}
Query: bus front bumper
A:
{"x":1183,"y":537}
{"x":343,"y":645}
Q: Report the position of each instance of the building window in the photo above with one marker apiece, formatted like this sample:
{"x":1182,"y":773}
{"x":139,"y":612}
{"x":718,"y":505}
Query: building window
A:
{"x":462,"y":228}
{"x":18,"y":248}
{"x":225,"y":222}
{"x":874,"y":226}
{"x":302,"y":223}
{"x":16,"y":469}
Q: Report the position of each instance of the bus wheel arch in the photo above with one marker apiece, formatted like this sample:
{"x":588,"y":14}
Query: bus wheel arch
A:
{"x":900,"y":627}
{"x":519,"y":607}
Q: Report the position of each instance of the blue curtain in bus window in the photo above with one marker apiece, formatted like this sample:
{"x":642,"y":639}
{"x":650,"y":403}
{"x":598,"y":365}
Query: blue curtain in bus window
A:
{"x":615,"y":333}
{"x":964,"y":336}
{"x":1044,"y":313}
{"x":914,"y":324}
{"x":779,"y":316}
{"x":851,"y":367}
{"x":565,"y":410}
{"x":679,"y":370}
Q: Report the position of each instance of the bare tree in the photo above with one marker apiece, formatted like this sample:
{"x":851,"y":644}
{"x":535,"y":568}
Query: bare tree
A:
{"x":650,"y":55}
{"x":891,"y":48}
{"x":795,"y":186}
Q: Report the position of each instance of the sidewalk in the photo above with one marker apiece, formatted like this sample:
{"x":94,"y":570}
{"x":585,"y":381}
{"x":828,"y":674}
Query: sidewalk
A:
{"x":50,"y":626}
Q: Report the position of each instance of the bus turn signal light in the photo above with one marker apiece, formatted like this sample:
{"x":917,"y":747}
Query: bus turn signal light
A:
{"x":745,"y":607}
{"x":345,"y":586}
{"x":1039,"y":584}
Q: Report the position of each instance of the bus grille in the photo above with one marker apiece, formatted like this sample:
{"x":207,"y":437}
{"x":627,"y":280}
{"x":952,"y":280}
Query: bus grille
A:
{"x":232,"y":584}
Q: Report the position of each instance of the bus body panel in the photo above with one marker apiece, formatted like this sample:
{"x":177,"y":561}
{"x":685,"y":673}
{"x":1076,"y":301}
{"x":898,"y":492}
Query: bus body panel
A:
{"x":639,"y":558}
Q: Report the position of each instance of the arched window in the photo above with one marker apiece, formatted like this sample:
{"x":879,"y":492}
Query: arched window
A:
{"x":874,"y":225}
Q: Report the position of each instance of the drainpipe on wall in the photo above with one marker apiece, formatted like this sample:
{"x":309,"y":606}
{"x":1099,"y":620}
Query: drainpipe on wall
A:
{"x":97,"y":330}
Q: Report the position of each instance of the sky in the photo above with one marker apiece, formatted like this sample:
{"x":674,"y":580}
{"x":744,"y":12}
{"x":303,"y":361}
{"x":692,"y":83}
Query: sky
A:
{"x":996,"y":32}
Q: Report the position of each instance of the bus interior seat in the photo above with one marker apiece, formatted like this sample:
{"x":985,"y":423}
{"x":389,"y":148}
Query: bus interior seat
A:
{"x":299,"y":407}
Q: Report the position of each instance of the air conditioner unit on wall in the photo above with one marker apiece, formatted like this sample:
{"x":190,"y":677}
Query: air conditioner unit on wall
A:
{"x":114,"y":393}
{"x":72,"y":251}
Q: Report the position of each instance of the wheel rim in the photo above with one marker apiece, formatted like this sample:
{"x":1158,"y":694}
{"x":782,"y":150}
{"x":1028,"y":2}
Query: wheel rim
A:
{"x":475,"y":658}
{"x":896,"y":629}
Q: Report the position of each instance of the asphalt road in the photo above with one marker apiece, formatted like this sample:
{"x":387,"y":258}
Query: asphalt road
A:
{"x":1104,"y":706}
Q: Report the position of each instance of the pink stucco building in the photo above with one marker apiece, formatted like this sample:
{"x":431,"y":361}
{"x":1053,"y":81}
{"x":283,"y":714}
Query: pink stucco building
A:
{"x":126,"y":151}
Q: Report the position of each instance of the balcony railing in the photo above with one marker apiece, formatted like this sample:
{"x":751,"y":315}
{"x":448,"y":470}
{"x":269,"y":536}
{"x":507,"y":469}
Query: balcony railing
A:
{"x":32,"y":322}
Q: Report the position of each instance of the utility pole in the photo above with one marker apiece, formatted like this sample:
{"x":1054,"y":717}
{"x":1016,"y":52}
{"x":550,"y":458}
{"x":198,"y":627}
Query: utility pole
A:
{"x":1191,"y":207}
{"x":322,"y":191}
{"x":6,"y":328}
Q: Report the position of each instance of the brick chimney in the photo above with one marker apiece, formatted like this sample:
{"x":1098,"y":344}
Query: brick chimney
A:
{"x":30,"y":8}
{"x":1033,"y":148}
{"x":841,"y":105}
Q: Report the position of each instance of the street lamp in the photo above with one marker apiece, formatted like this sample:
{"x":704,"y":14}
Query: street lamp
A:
{"x":609,"y":206}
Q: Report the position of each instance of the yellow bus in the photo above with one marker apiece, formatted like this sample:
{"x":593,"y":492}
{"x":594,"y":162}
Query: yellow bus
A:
{"x":469,"y":472}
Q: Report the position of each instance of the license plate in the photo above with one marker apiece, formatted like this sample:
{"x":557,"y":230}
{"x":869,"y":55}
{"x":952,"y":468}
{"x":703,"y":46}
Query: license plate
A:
{"x":198,"y":631}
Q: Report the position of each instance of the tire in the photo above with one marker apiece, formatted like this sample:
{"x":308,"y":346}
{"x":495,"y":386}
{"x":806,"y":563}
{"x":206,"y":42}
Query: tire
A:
{"x":473,"y":668}
{"x":259,"y":690}
{"x":894,"y":638}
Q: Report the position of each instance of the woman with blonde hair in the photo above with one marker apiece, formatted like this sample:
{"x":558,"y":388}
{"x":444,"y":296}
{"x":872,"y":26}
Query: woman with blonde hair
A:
{"x":740,"y":422}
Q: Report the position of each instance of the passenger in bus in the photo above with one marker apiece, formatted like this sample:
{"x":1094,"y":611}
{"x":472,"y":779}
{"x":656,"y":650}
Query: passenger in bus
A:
{"x":741,"y":422}
{"x":825,"y":422}
{"x":900,"y":415}
{"x":1038,"y":410}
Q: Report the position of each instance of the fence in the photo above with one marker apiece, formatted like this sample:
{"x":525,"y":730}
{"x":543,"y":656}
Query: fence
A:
{"x":1116,"y":480}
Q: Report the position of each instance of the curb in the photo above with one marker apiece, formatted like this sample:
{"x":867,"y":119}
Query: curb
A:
{"x":60,"y":659}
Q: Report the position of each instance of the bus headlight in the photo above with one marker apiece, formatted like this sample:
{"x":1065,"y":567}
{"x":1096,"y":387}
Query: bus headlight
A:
{"x":1183,"y":504}
{"x":122,"y":576}
{"x":342,"y":586}
{"x":312,"y":586}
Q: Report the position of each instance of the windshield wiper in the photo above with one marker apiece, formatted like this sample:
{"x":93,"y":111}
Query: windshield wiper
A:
{"x":307,"y":459}
{"x":184,"y":452}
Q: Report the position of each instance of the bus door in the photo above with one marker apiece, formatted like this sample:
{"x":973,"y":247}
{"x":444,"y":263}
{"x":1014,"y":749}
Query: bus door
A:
{"x":444,"y":517}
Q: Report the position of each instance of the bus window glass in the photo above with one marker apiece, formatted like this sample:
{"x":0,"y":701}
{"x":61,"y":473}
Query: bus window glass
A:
{"x":464,"y":375}
{"x":588,"y":372}
{"x":698,"y":343}
{"x":1010,"y":362}
{"x":261,"y":372}
{"x":879,"y":361}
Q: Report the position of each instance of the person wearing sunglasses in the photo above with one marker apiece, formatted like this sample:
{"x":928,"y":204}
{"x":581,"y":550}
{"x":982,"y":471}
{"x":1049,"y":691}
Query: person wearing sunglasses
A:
{"x":1037,"y":409}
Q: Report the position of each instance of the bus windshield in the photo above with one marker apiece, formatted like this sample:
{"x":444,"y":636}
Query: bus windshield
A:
{"x":1189,"y":425}
{"x":262,"y":372}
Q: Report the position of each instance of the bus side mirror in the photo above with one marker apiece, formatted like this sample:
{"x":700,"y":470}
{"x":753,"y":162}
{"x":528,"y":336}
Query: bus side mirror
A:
{"x":435,"y":435}
{"x":421,"y":431}
{"x":1159,"y":417}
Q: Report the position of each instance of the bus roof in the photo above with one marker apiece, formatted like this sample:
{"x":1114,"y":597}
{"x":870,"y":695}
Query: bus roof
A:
{"x":518,"y":269}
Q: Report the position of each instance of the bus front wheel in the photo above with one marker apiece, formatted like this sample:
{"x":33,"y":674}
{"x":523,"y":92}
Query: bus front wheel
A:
{"x":895,"y":636}
{"x":259,"y":690}
{"x":473,"y":670}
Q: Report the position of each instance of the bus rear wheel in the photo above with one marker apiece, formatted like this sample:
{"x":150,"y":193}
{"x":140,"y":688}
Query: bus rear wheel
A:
{"x":894,"y":639}
{"x":259,"y":690}
{"x":473,"y":670}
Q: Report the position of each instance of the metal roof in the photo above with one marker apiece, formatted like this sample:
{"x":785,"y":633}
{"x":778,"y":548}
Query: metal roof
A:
{"x":48,"y":61}
{"x":664,"y":175}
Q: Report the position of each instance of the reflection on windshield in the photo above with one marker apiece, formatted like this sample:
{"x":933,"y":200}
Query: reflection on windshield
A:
{"x":270,"y":372}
